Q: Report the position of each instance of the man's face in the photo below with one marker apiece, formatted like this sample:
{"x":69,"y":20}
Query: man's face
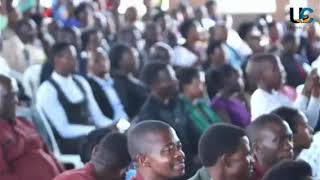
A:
{"x":241,"y":161}
{"x":8,"y":102}
{"x":95,"y":41}
{"x":168,"y":84}
{"x":68,"y":62}
{"x":196,"y":88}
{"x":275,"y":143}
{"x":303,"y":137}
{"x":99,"y":64}
{"x":272,"y":75}
{"x":166,"y":158}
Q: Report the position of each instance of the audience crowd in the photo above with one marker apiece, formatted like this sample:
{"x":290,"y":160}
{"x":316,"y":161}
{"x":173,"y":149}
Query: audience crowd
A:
{"x":177,"y":94}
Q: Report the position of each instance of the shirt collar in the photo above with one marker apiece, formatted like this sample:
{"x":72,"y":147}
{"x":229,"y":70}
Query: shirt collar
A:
{"x":101,"y":81}
{"x":59,"y":78}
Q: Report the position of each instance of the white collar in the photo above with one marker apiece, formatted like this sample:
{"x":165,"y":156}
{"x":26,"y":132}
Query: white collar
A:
{"x":60,"y":78}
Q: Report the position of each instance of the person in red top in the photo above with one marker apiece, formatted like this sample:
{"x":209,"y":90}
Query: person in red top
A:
{"x":271,"y":140}
{"x":156,"y":150}
{"x":109,"y":161}
{"x":23,"y":154}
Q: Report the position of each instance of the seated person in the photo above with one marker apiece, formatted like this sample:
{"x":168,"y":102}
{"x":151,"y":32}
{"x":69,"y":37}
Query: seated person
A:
{"x":215,"y":56}
{"x":132,"y":92}
{"x":67,"y":101}
{"x":21,"y":145}
{"x":290,"y":170}
{"x":163,"y":84}
{"x":264,"y":69}
{"x":188,"y":54}
{"x":298,"y":122}
{"x":230,"y":101}
{"x":226,"y":158}
{"x":220,"y":33}
{"x":271,"y":142}
{"x":157,"y":151}
{"x":109,"y":160}
{"x":293,"y":63}
{"x":198,"y":114}
{"x":102,"y":86}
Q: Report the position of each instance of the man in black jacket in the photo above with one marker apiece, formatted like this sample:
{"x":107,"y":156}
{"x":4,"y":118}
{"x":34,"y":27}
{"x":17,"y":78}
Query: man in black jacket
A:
{"x":103,"y":86}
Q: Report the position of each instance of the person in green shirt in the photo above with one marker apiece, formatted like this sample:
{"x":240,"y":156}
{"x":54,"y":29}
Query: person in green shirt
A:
{"x":198,"y":115}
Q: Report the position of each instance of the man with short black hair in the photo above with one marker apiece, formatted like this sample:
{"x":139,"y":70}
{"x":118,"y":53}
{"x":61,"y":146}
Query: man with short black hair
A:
{"x":109,"y":161}
{"x":224,"y":151}
{"x":67,"y":101}
{"x":298,"y":122}
{"x":290,"y":170}
{"x":157,"y":151}
{"x":271,"y":141}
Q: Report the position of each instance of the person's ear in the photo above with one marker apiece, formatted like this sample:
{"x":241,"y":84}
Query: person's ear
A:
{"x":94,"y":150}
{"x":256,"y":147}
{"x":143,"y":160}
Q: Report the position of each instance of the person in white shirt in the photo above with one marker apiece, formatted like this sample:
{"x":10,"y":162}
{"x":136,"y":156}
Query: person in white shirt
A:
{"x":67,"y":101}
{"x":264,"y":69}
{"x":312,"y":156}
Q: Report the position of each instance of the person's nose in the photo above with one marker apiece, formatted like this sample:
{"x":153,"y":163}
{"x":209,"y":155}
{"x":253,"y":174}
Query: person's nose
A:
{"x":179,"y":154}
{"x":288,"y":145}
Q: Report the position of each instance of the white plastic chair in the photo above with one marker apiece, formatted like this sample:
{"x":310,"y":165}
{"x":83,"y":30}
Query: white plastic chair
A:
{"x":72,"y":159}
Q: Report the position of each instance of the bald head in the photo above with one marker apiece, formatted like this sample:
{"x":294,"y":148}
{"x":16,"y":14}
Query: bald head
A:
{"x":139,"y":141}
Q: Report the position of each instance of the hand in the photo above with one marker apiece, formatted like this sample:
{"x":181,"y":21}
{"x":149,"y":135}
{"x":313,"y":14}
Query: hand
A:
{"x":310,"y":81}
{"x":316,"y":87}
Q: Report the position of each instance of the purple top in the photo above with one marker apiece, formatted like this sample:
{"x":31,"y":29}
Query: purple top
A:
{"x":237,"y":111}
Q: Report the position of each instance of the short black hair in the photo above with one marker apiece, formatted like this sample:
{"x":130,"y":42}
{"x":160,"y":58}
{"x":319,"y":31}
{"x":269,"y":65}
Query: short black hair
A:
{"x":81,"y":7}
{"x":94,"y":137}
{"x":185,"y":75}
{"x":245,"y":28}
{"x":59,"y":49}
{"x":212,"y":46}
{"x":219,"y":140}
{"x":289,"y":170}
{"x":116,"y":54}
{"x":85,"y":36}
{"x":211,"y":3}
{"x":137,"y":142}
{"x":186,"y":26}
{"x":158,"y":16}
{"x":150,"y":72}
{"x":260,"y":123}
{"x":215,"y":78}
{"x":288,"y":38}
{"x":291,"y":115}
{"x":112,"y":149}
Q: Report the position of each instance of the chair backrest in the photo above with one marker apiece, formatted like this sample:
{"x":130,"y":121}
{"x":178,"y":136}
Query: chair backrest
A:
{"x":45,"y":120}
